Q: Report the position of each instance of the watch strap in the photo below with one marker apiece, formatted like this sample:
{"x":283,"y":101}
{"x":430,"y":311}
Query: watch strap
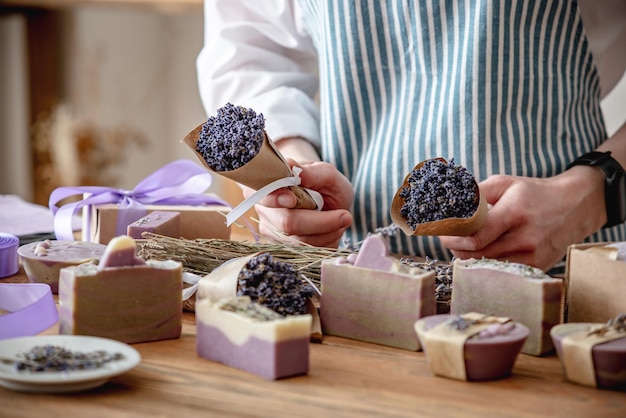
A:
{"x":615,"y":184}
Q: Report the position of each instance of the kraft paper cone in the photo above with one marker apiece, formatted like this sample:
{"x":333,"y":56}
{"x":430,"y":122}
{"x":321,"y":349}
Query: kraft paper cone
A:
{"x":266,"y":167}
{"x":449,"y":226}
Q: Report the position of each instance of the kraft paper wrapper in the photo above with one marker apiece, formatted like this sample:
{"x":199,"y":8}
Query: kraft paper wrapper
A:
{"x":577,"y":354}
{"x":449,"y":226}
{"x":267,"y":166}
{"x":449,"y":344}
{"x":222,"y":282}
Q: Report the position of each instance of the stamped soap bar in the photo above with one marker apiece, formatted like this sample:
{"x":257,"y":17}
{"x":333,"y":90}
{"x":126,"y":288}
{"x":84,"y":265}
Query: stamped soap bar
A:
{"x":123,"y":297}
{"x":159,"y":222}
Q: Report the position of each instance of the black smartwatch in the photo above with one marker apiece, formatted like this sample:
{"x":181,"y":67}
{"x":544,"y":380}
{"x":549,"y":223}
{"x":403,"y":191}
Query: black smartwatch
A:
{"x":614,"y":185}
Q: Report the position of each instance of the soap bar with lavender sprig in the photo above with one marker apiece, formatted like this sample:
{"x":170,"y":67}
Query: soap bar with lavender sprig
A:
{"x":518,"y":291}
{"x":234,"y":144}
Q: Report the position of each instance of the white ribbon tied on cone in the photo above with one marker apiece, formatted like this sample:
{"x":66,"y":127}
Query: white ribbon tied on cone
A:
{"x":256,"y":197}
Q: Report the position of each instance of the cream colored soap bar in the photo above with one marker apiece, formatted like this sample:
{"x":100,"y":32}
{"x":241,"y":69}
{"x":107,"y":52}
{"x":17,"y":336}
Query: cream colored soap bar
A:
{"x":521,"y":292}
{"x":253,"y":338}
{"x":123,"y":298}
{"x":376,"y":299}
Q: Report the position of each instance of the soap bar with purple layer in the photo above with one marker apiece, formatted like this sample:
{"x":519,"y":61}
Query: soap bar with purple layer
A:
{"x":159,"y":222}
{"x":603,"y":361}
{"x":473,"y":347}
{"x":123,"y":297}
{"x":251,"y":337}
{"x":375,"y":298}
{"x":523,"y":293}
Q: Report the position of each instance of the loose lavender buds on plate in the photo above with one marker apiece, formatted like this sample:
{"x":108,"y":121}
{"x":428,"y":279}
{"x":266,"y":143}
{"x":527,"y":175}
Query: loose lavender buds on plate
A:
{"x":439,"y":198}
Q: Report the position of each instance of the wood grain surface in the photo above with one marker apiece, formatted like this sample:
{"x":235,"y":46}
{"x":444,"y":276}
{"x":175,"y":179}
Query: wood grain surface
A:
{"x":346,"y":379}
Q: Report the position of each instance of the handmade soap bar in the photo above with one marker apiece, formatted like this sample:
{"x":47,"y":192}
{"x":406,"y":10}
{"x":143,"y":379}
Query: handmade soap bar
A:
{"x":124,"y":297}
{"x":473,"y":347}
{"x":159,"y":222}
{"x":593,"y":354}
{"x":43,"y":260}
{"x":248,"y":336}
{"x":377,"y":299}
{"x":521,"y":292}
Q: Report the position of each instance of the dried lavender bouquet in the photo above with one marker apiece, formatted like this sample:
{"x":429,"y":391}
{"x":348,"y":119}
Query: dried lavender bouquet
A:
{"x":234,"y":144}
{"x":439,"y":198}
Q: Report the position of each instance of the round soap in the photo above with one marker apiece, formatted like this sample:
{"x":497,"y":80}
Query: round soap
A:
{"x":9,"y":264}
{"x":486,"y":358}
{"x":43,"y":260}
{"x":609,"y":358}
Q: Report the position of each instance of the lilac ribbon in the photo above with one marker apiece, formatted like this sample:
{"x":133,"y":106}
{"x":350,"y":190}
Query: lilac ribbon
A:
{"x":181,"y":182}
{"x":9,"y":264}
{"x":31,"y":309}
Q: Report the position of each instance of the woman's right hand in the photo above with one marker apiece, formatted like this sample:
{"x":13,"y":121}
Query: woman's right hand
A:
{"x":318,"y":228}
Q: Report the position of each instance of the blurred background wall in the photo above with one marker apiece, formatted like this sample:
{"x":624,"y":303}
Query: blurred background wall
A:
{"x":120,"y":85}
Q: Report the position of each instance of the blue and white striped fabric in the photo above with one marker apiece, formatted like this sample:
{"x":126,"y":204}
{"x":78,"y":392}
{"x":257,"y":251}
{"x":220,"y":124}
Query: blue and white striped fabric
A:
{"x":505,"y":87}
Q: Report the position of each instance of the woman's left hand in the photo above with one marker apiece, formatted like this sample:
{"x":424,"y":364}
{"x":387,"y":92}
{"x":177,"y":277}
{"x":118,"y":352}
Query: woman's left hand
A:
{"x":534,"y":220}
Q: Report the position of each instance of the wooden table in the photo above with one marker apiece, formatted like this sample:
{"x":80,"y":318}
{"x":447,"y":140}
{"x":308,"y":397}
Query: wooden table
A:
{"x":346,"y":379}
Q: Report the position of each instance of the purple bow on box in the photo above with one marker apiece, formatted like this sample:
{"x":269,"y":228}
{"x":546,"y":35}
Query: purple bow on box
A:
{"x":181,"y":182}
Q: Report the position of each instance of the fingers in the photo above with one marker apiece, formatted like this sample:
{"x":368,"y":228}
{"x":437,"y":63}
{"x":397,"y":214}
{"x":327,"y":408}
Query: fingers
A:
{"x":312,"y":227}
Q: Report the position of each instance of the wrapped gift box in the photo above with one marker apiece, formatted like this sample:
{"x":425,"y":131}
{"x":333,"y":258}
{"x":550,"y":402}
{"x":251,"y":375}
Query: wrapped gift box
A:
{"x":203,"y":221}
{"x":595,"y":283}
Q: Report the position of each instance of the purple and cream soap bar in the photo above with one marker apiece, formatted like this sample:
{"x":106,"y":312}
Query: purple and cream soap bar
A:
{"x":123,"y":297}
{"x":523,"y":293}
{"x":159,"y":222}
{"x":374,"y":297}
{"x":251,"y":337}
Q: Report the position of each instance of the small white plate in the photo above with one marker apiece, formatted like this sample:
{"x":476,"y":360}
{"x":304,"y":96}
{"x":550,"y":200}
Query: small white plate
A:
{"x":68,"y":381}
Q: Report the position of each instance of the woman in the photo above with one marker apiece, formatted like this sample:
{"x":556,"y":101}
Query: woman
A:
{"x":510,"y":90}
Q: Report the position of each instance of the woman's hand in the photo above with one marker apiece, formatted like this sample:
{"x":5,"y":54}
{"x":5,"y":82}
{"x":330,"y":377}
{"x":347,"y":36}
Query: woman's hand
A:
{"x":533,"y":220}
{"x":319,"y":228}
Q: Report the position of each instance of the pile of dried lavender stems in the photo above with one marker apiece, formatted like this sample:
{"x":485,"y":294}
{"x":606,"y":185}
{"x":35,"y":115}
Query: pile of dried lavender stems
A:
{"x":201,"y":256}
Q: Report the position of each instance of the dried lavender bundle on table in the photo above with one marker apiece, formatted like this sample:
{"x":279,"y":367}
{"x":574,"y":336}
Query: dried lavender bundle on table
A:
{"x":274,"y":284}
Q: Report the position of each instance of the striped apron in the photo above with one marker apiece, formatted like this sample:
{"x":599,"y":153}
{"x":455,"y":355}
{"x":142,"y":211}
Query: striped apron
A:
{"x":503,"y":87}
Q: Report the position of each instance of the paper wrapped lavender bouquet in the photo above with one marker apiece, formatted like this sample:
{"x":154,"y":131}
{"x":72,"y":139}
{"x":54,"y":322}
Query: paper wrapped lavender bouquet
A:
{"x":439,"y":198}
{"x":234,"y":144}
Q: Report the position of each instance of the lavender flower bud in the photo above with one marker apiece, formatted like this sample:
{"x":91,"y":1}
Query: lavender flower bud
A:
{"x":438,"y":190}
{"x":274,"y":284}
{"x":232,"y":138}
